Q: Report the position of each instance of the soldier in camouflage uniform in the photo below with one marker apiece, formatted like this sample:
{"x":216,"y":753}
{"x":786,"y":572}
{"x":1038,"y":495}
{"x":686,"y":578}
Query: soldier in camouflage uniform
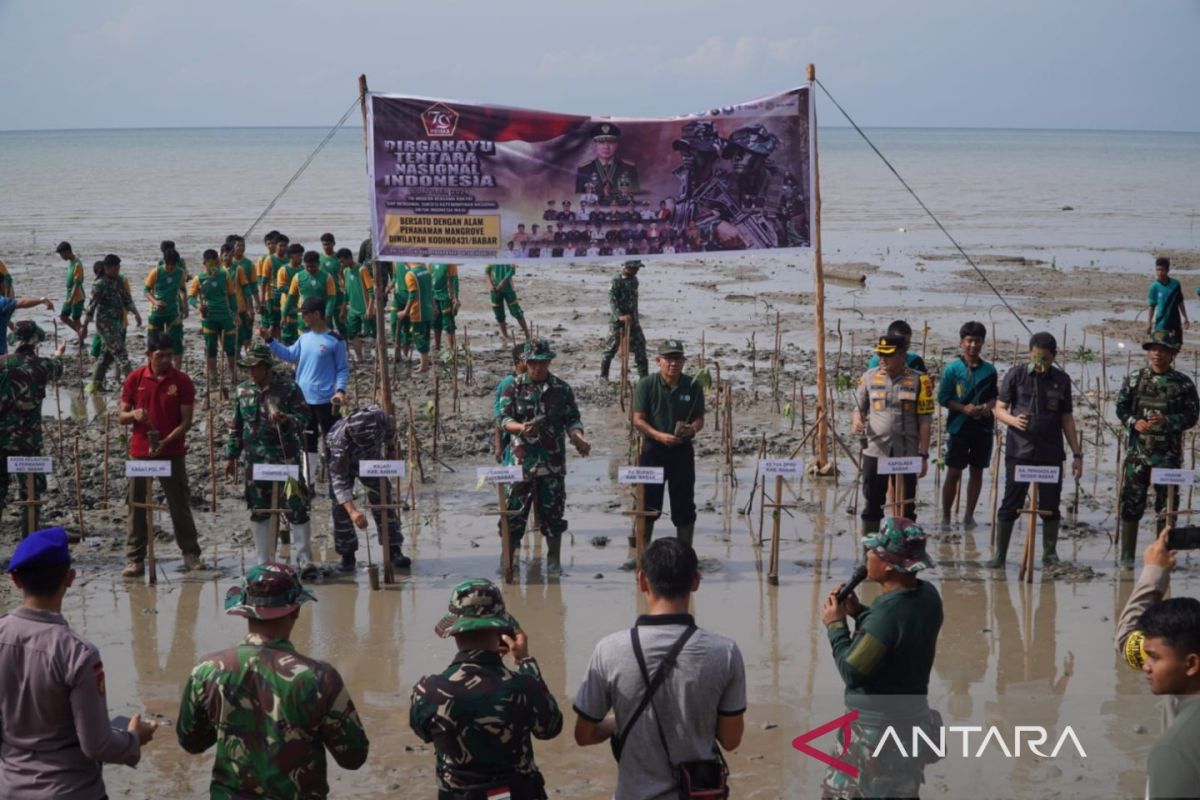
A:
{"x":268,"y":417}
{"x":109,"y":303}
{"x":361,"y":435}
{"x":539,"y":411}
{"x":1157,"y":404}
{"x":271,"y":711}
{"x":622,"y":306}
{"x":479,"y":714}
{"x":24,"y":378}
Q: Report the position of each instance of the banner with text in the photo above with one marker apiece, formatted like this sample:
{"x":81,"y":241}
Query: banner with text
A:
{"x":487,"y":183}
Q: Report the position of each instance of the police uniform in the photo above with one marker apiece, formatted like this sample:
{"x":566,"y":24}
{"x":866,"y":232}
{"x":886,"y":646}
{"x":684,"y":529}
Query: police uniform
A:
{"x":1172,"y":395}
{"x":53,"y":703}
{"x":893,"y":409}
{"x":607,"y":179}
{"x":272,"y":712}
{"x":481,"y":716}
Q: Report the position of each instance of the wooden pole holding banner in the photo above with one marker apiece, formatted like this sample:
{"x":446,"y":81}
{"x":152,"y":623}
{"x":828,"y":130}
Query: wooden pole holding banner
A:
{"x":822,"y":466}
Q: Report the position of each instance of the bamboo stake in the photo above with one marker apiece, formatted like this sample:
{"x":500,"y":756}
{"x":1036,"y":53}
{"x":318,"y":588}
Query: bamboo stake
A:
{"x":999,"y":446}
{"x":717,"y":367}
{"x":1026,"y":573}
{"x":58,"y":401}
{"x":78,"y":487}
{"x":924,"y":338}
{"x":776,"y":520}
{"x":212,"y":446}
{"x":792,"y":421}
{"x":106,"y":441}
{"x":818,"y":288}
{"x":437,"y":409}
{"x":753,"y":358}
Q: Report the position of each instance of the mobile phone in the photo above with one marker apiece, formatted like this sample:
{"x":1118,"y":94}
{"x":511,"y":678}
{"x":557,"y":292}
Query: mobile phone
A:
{"x":119,"y":723}
{"x":1184,"y":538}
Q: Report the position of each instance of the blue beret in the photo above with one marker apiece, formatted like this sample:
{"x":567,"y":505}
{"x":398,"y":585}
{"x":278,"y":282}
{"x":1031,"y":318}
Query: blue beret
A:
{"x":44,"y":548}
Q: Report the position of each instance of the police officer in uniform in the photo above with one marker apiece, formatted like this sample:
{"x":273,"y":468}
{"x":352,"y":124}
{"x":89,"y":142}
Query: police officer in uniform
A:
{"x":606,"y":173}
{"x":56,"y":728}
{"x":894,"y":407}
{"x":1156,"y":404}
{"x":480,"y":715}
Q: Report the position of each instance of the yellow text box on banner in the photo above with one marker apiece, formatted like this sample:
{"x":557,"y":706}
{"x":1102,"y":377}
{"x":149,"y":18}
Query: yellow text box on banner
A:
{"x":476,"y":232}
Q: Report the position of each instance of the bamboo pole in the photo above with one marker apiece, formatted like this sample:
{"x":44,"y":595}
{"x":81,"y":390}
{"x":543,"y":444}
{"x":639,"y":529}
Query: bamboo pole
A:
{"x":57,"y":400}
{"x":106,"y":449}
{"x":437,"y":409}
{"x":1026,"y":573}
{"x":999,"y":446}
{"x":380,"y":288}
{"x":212,"y":446}
{"x":78,"y":487}
{"x":818,"y":288}
{"x":776,"y":520}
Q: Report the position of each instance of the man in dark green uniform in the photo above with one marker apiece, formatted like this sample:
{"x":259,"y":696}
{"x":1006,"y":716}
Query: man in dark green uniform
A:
{"x":214,"y":294}
{"x":359,"y":287}
{"x":109,"y":303}
{"x":332,"y":266}
{"x":668,"y":411}
{"x":166,"y":288}
{"x":445,"y":295}
{"x":539,"y":411}
{"x":418,"y":308}
{"x":606,"y":172}
{"x":480,"y":715}
{"x":885,"y":664}
{"x":622,"y":308}
{"x":289,"y":326}
{"x":1157,"y":404}
{"x":501,"y":290}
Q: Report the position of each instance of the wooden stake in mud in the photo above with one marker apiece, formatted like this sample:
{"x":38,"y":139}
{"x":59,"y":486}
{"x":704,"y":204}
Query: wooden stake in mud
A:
{"x":385,"y":536}
{"x":148,"y":508}
{"x":924,"y":338}
{"x":717,"y":392}
{"x":777,"y":507}
{"x":104,"y":499}
{"x":468,"y":361}
{"x":999,"y":446}
{"x":78,"y":487}
{"x":454,"y":406}
{"x":792,"y":420}
{"x":1026,"y":573}
{"x":212,"y":450}
{"x":702,"y":352}
{"x":624,"y":363}
{"x":640,"y":515}
{"x":818,"y":292}
{"x":776,"y":362}
{"x":32,"y":505}
{"x":753,"y":358}
{"x":58,"y":401}
{"x":437,"y":409}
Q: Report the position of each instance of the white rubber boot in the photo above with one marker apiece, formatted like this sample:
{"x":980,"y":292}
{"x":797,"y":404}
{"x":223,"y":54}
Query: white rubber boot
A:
{"x":302,"y":549}
{"x":311,"y":461}
{"x":263,"y":544}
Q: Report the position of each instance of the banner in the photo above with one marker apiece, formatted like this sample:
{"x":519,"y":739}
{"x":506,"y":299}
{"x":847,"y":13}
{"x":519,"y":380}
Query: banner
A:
{"x":465,"y":182}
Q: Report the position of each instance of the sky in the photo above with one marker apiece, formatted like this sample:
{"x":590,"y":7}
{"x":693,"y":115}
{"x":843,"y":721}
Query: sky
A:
{"x":1090,"y":64}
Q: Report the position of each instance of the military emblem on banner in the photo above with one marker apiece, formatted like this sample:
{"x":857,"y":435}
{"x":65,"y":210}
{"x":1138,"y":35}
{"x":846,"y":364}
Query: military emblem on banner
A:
{"x":439,"y":120}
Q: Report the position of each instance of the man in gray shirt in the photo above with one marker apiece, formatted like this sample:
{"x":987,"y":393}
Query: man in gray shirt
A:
{"x":54,"y":728}
{"x":700,"y":702}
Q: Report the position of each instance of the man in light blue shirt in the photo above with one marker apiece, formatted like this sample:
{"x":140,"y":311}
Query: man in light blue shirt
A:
{"x":322,"y":370}
{"x":8,"y":306}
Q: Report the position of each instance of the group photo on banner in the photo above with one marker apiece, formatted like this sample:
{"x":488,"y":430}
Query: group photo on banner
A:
{"x":451,"y":180}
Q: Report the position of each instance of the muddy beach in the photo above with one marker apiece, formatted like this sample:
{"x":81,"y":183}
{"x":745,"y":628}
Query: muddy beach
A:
{"x":1010,"y":653}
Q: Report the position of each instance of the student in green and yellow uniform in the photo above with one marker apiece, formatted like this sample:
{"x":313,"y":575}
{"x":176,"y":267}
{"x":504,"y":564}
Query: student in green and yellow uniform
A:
{"x":165,"y":288}
{"x":72,"y":307}
{"x":267,"y":267}
{"x":214,"y":293}
{"x":500,"y":283}
{"x":288,"y":324}
{"x":166,"y":245}
{"x":360,"y":300}
{"x":445,"y":296}
{"x":312,"y":281}
{"x":401,"y":326}
{"x":332,"y":266}
{"x":245,"y":276}
{"x":419,"y":309}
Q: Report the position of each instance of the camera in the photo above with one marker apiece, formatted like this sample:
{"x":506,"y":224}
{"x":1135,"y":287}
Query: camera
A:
{"x":1184,"y":538}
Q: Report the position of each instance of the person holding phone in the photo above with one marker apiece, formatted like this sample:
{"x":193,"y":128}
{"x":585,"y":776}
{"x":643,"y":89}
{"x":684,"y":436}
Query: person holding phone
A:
{"x":1156,"y":404}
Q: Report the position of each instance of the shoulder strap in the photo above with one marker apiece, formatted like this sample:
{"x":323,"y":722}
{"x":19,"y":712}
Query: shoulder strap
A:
{"x":652,"y":684}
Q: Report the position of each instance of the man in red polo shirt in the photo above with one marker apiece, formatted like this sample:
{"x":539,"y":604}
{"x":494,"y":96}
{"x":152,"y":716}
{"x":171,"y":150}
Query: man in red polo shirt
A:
{"x":157,"y":401}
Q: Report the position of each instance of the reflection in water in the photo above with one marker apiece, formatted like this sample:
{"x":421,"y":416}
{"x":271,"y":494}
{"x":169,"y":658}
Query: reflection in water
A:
{"x":963,"y":644}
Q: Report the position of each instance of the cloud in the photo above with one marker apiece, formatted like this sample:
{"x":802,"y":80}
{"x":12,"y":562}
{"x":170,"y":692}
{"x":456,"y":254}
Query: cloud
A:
{"x":131,"y":28}
{"x":721,"y":56}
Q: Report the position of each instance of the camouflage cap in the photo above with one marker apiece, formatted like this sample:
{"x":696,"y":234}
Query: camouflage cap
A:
{"x":539,"y":350}
{"x":1166,"y":339}
{"x":269,"y":591}
{"x":259,"y":354}
{"x":475,"y":605}
{"x":635,"y":263}
{"x":26,"y":332}
{"x":698,"y":135}
{"x":755,"y":138}
{"x":901,"y":543}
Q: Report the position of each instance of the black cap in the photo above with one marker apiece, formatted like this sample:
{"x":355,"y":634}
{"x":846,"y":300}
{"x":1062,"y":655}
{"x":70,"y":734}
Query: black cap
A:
{"x":890,"y":345}
{"x":671,"y":347}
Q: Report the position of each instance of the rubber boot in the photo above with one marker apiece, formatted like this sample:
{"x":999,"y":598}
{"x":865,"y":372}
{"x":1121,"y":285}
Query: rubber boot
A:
{"x":631,"y":564}
{"x":643,"y":368}
{"x":1050,"y":542}
{"x":263,"y":544}
{"x":1129,"y":532}
{"x":553,"y":551}
{"x":311,"y":460}
{"x":605,"y":363}
{"x":302,"y":549}
{"x":685,"y":534}
{"x":349,"y":563}
{"x":1004,"y":531}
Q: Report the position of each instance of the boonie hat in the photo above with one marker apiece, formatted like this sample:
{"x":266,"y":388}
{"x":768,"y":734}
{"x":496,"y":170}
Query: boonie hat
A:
{"x":26,"y":332}
{"x":635,"y":263}
{"x":475,"y":605}
{"x":269,"y":591}
{"x":44,"y":548}
{"x":259,"y":354}
{"x":539,"y":350}
{"x":889,"y":345}
{"x":1166,"y":339}
{"x":901,"y":543}
{"x":671,"y":347}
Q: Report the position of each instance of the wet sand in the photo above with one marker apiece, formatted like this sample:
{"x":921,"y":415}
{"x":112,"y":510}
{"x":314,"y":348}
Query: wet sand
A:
{"x":1009,"y":653}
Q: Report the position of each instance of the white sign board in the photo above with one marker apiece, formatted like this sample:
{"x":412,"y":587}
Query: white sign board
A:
{"x":785,"y":467}
{"x":147,"y":469}
{"x":907,"y":465}
{"x":494,"y":475}
{"x":639,"y":475}
{"x":23,"y":464}
{"x":382,"y":469}
{"x":275,"y":472}
{"x":1158,"y":476}
{"x":1029,"y":473}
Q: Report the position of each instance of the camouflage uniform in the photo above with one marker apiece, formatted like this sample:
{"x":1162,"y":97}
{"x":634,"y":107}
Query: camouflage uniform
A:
{"x":543,"y":457}
{"x":479,"y":714}
{"x":361,"y":435}
{"x":623,"y":299}
{"x":108,"y":305}
{"x":1173,"y":395}
{"x":24,"y":378}
{"x":271,"y":711}
{"x":251,"y":435}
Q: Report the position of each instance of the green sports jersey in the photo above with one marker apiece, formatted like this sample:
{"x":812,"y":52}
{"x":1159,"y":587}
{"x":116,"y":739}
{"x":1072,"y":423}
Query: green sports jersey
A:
{"x":500,"y":272}
{"x":420,"y":293}
{"x":445,"y":281}
{"x":283,"y":282}
{"x":247,"y":267}
{"x":216,"y":292}
{"x":312,"y":284}
{"x":165,"y":286}
{"x":358,"y":289}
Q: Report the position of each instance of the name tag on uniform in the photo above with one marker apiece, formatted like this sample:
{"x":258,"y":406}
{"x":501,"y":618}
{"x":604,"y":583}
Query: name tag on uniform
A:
{"x":1169,"y":477}
{"x":907,"y":394}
